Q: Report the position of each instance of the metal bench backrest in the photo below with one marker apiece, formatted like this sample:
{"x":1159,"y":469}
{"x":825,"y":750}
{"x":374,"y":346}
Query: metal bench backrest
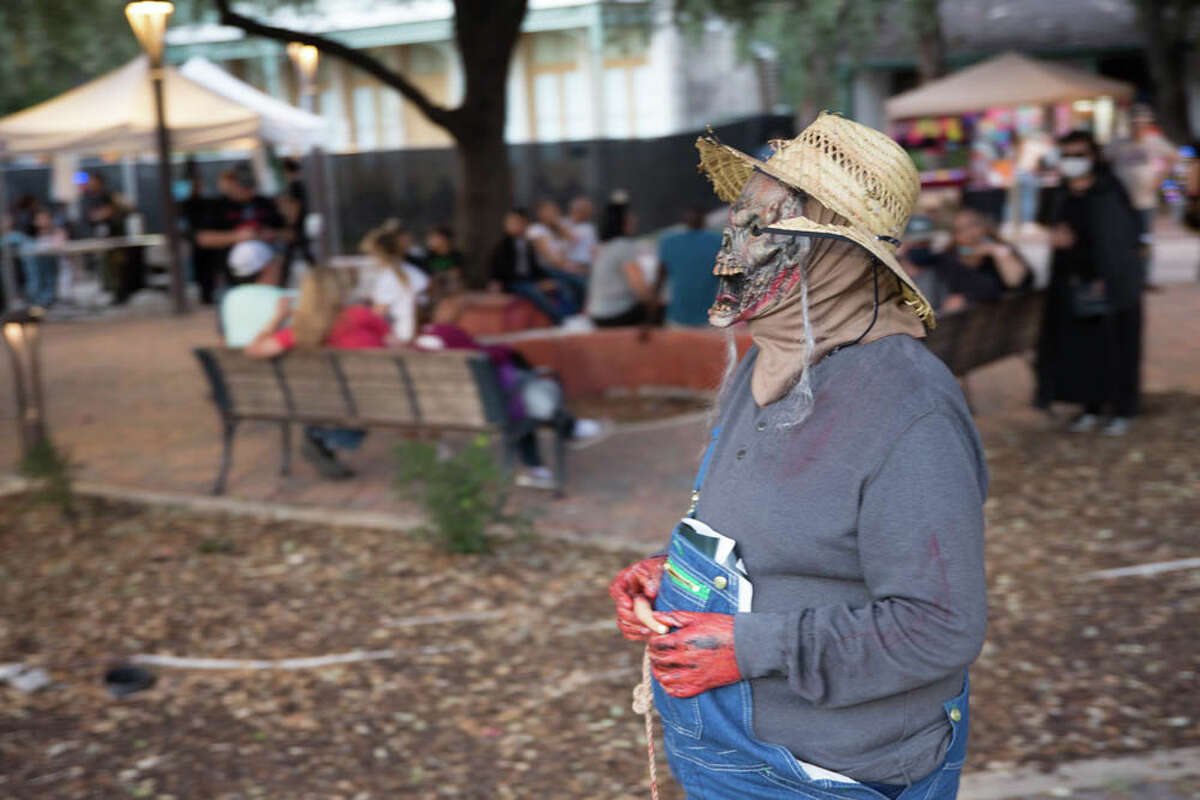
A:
{"x":448,"y":390}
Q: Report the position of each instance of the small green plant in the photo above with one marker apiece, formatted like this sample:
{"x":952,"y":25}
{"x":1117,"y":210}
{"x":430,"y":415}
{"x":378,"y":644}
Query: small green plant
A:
{"x":215,"y":545}
{"x":463,"y":493}
{"x":50,"y":470}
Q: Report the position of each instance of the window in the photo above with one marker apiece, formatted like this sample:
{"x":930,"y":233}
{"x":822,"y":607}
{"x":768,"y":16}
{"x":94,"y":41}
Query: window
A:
{"x":632,"y":100}
{"x":427,"y":68}
{"x":618,"y":119}
{"x":547,"y":102}
{"x":330,"y":107}
{"x":560,"y":108}
{"x":365,"y":125}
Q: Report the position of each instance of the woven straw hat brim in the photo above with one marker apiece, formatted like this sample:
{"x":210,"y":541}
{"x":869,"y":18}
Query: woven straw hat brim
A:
{"x":913,"y":296}
{"x":728,"y":169}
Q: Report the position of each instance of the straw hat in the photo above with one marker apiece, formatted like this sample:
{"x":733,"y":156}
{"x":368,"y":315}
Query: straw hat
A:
{"x":852,"y":170}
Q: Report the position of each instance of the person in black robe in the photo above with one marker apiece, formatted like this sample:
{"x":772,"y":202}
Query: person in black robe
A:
{"x":1089,"y":352}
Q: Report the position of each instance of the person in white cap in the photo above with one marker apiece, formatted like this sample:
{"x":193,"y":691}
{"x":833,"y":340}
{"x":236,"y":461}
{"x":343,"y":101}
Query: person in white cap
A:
{"x":247,"y":307}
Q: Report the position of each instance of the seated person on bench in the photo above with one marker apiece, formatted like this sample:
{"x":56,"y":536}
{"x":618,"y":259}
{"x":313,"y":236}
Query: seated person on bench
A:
{"x":321,"y":318}
{"x":399,"y":286}
{"x":515,"y":270}
{"x":248,"y":307}
{"x":534,"y":399}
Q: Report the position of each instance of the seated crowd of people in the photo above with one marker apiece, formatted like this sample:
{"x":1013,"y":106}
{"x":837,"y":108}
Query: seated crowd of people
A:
{"x":391,"y":308}
{"x":324,"y":313}
{"x":561,"y":264}
{"x":577,"y":274}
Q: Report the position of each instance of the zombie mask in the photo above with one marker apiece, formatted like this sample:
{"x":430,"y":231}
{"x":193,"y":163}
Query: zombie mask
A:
{"x":858,"y":174}
{"x":756,"y":269}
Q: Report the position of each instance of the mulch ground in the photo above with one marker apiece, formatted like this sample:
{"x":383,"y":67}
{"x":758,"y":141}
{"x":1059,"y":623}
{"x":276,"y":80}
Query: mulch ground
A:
{"x":510,"y":680}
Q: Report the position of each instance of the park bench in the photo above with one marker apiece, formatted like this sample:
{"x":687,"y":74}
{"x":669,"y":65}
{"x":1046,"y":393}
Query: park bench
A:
{"x":987,"y":332}
{"x":419,"y":393}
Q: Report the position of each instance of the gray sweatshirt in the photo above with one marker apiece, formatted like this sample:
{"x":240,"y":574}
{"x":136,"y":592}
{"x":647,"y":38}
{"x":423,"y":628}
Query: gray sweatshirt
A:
{"x":862,"y":532}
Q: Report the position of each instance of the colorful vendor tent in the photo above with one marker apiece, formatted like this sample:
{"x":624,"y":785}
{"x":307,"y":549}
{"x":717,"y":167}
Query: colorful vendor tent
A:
{"x":1009,"y":79}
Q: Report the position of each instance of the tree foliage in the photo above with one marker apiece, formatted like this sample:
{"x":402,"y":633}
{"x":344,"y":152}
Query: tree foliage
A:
{"x":809,"y":39}
{"x":925,"y":31}
{"x":50,"y":46}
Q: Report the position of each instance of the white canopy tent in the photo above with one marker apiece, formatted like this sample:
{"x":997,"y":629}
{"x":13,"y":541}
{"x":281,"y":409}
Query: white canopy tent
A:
{"x":1009,"y":79}
{"x":280,"y":123}
{"x":206,"y":109}
{"x":115,"y":115}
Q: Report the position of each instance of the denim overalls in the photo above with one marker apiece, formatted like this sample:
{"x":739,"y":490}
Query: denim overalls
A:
{"x":710,"y":739}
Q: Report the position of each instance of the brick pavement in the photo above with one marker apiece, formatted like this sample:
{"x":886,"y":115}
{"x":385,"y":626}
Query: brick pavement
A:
{"x":127,"y":401}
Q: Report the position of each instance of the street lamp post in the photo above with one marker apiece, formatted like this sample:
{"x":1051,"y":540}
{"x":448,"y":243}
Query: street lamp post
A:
{"x":8,"y":271}
{"x":306,"y":58}
{"x":148,"y":18}
{"x":20,"y":333}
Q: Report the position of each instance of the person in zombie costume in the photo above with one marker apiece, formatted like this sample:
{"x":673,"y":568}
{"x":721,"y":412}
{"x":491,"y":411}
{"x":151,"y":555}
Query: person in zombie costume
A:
{"x":847,"y":470}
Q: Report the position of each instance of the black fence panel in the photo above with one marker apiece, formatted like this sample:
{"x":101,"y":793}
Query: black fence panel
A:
{"x":415,"y":186}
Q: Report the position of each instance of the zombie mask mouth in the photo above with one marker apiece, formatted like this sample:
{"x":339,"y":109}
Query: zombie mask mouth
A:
{"x":741,"y":296}
{"x":755,"y":269}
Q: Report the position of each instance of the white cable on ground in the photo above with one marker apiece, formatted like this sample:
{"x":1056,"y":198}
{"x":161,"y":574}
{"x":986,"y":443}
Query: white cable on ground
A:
{"x":357,"y":656}
{"x":1144,"y":570}
{"x":312,"y":662}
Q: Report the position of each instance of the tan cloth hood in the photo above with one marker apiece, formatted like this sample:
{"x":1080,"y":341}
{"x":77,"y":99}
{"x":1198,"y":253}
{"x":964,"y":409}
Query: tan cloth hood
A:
{"x":841,"y":305}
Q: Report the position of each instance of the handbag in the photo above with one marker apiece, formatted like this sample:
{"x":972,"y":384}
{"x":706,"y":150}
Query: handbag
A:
{"x":1191,"y":214}
{"x":1086,"y":303}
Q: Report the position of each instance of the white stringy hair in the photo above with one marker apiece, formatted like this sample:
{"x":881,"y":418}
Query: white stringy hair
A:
{"x":794,"y":407}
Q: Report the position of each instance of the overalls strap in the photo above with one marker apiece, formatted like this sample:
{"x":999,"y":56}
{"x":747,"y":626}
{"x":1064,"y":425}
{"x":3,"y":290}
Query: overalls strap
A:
{"x":712,"y":445}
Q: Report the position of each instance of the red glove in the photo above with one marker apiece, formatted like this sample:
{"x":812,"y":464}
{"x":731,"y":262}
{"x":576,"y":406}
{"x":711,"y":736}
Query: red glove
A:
{"x":698,"y":656}
{"x":640,"y":579}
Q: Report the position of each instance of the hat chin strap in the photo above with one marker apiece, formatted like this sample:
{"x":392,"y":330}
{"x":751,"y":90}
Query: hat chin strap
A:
{"x":874,"y":311}
{"x":820,"y":235}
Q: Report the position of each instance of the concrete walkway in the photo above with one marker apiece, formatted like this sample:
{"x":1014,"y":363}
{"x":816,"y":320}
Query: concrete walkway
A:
{"x":1167,"y":775}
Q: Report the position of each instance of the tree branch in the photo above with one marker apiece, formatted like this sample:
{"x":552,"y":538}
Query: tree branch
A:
{"x":439,"y":115}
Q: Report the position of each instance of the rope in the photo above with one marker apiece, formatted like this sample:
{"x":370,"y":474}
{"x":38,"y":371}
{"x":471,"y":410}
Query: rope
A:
{"x":643,"y":703}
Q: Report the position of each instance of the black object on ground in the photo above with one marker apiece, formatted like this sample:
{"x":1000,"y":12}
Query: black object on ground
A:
{"x":124,"y":680}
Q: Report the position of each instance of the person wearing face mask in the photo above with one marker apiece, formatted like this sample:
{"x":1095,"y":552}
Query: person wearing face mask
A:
{"x":1089,"y":351}
{"x":980,"y":267}
{"x":810,"y":623}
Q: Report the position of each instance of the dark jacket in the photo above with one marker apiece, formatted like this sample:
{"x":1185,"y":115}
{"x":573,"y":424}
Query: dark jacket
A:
{"x":1115,"y":230}
{"x":510,"y":265}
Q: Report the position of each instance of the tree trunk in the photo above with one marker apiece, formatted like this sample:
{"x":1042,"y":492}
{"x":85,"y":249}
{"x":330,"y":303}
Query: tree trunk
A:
{"x":484,"y":196}
{"x":1166,"y":54}
{"x":1171,"y":97}
{"x":925,"y":23}
{"x":820,"y":90}
{"x":485,"y":32}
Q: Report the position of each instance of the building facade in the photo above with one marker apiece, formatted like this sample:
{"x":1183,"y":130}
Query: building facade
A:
{"x":582,"y":70}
